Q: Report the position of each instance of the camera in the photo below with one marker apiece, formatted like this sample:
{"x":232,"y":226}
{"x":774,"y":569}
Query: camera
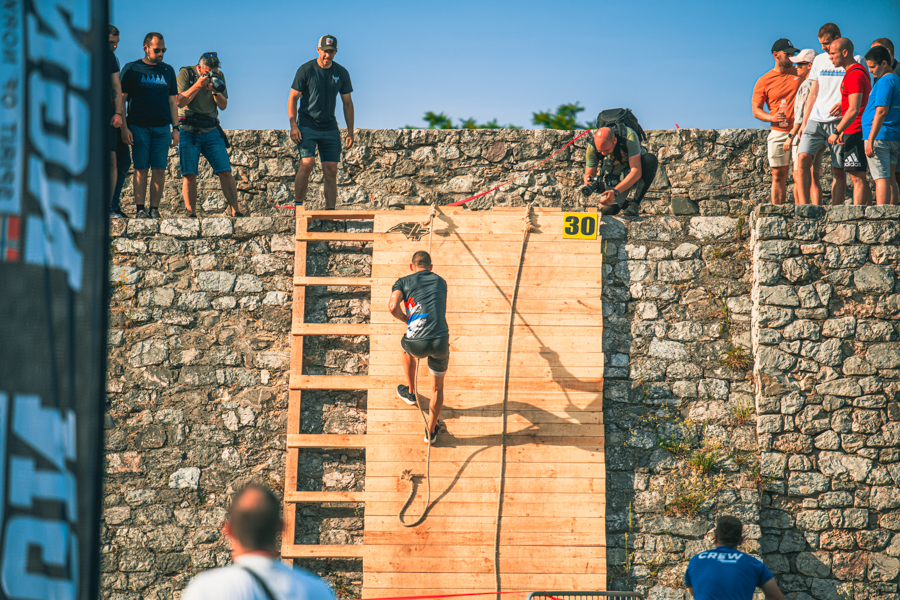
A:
{"x":217,"y":84}
{"x":595,"y":185}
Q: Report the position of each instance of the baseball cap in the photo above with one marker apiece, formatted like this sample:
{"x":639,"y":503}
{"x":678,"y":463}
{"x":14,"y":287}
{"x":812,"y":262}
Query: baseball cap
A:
{"x":783,"y":45}
{"x":805,"y":55}
{"x":328,"y":42}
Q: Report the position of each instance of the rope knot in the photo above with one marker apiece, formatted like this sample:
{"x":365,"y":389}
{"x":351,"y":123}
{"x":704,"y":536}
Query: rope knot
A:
{"x":529,"y":224}
{"x":431,"y":214}
{"x":406,"y":475}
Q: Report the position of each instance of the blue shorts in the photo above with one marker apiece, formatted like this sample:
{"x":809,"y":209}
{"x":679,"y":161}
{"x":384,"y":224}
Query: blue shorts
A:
{"x":151,"y":147}
{"x":329,"y":143}
{"x":210,"y":144}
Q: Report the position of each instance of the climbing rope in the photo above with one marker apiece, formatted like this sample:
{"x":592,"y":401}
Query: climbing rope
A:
{"x":529,"y":227}
{"x":407,"y":474}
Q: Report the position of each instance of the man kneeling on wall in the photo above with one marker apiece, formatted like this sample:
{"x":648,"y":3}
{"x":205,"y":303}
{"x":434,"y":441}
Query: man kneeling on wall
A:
{"x":423,"y":296}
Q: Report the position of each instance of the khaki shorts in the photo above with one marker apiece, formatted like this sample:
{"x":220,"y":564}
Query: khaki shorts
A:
{"x":775,"y":143}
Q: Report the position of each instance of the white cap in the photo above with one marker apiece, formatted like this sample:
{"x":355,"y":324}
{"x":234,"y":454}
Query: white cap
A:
{"x":806,"y":55}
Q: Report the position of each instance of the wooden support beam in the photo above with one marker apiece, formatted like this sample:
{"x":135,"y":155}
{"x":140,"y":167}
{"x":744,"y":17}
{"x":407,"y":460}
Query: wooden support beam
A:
{"x":322,"y":551}
{"x":330,"y":382}
{"x":308,"y":440}
{"x":360,"y":281}
{"x":339,"y":329}
{"x":334,"y":236}
{"x":315,"y":497}
{"x":336,"y":215}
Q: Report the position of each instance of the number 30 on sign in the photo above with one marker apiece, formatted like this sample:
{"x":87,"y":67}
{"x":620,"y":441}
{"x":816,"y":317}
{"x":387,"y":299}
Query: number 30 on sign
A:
{"x":580,"y":226}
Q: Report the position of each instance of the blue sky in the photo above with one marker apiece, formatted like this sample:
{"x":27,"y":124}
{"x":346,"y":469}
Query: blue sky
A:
{"x":691,"y":63}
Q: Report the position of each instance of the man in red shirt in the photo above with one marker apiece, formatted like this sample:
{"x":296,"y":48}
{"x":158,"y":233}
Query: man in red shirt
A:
{"x":855,"y":88}
{"x":777,"y":90}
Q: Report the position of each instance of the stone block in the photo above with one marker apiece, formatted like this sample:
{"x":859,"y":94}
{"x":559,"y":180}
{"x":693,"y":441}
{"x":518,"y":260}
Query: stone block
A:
{"x":814,"y":564}
{"x":216,"y":227}
{"x":883,"y":567}
{"x":679,"y":270}
{"x":845,"y":257}
{"x":769,"y":228}
{"x":884,"y":356}
{"x":667,"y":350}
{"x":841,"y":234}
{"x":768,"y":272}
{"x":795,"y":269}
{"x":809,"y":211}
{"x":826,"y":353}
{"x":713,"y":228}
{"x":802,"y":330}
{"x":842,"y":213}
{"x":778,"y":250}
{"x":844,"y":327}
{"x":827,"y":440}
{"x":873,"y":278}
{"x":778,"y":295}
{"x":192,"y":301}
{"x":660,"y":229}
{"x":808,"y":484}
{"x":220,"y":282}
{"x":186,"y":477}
{"x":769,"y":358}
{"x":180,"y":228}
{"x":769,"y":337}
{"x":880,"y":233}
{"x":840,"y":387}
{"x":247,"y":284}
{"x":247,"y":226}
{"x":681,"y":206}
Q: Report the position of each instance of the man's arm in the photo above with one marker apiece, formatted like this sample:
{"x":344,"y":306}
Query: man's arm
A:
{"x":126,"y":133}
{"x":187,"y":95}
{"x":293,"y":98}
{"x":117,"y":101}
{"x":173,"y":109}
{"x":762,"y":115}
{"x":634,"y":175}
{"x":854,"y":101}
{"x":810,"y":102}
{"x":348,"y":116}
{"x":877,"y":121}
{"x":221,"y":100}
{"x":395,"y":304}
{"x":691,"y":590}
{"x":770,"y":589}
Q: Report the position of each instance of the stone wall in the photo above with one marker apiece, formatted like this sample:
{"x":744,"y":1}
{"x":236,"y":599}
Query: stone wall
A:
{"x":725,"y":170}
{"x":199,"y":355}
{"x":825,"y":309}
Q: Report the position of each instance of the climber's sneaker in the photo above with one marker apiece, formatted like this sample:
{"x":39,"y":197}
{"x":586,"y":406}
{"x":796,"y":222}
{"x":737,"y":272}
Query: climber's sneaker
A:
{"x":403,"y":392}
{"x":431,"y":439}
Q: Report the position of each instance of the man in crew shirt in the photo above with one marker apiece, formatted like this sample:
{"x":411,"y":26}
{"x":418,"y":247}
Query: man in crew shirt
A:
{"x":423,"y":295}
{"x":316,"y":85}
{"x":823,"y":111}
{"x":855,"y":89}
{"x":895,"y":67}
{"x":881,"y":125}
{"x":251,"y":528}
{"x":777,"y":90}
{"x":726,"y":573}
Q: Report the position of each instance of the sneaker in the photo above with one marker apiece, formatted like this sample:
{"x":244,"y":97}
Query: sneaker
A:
{"x":631,"y":210}
{"x":154,"y":213}
{"x":141,"y":214}
{"x":192,"y":216}
{"x":431,"y":439}
{"x":403,"y":392}
{"x":116,"y":214}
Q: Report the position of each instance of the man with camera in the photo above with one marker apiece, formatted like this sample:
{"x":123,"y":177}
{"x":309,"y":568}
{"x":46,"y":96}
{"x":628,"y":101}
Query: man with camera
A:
{"x":201,"y":94}
{"x":615,"y":162}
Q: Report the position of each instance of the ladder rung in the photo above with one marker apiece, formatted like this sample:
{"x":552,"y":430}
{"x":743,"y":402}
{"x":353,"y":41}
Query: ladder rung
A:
{"x":313,"y":440}
{"x":336,"y":215}
{"x":330,"y":382}
{"x":342,"y":329}
{"x":329,"y":236}
{"x":325,"y":551}
{"x":362,"y":281}
{"x":306,"y":497}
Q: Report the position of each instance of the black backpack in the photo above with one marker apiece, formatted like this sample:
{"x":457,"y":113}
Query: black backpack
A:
{"x":615,"y":118}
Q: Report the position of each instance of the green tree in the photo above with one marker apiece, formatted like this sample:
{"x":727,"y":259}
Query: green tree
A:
{"x":442,"y":121}
{"x":565,"y":117}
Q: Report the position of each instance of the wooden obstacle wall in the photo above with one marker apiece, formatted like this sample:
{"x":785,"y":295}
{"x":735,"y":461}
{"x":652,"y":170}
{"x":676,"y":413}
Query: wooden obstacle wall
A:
{"x":553,"y":526}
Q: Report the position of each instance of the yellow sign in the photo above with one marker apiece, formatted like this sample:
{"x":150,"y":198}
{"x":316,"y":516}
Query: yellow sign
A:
{"x":580,"y":226}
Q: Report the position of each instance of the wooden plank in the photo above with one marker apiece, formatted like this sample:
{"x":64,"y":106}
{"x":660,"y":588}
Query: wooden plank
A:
{"x":498,"y":359}
{"x":484,"y":222}
{"x":484,"y":449}
{"x":481,"y":282}
{"x":398,"y":413}
{"x":461,"y":524}
{"x":418,"y":549}
{"x":317,"y":497}
{"x":336,"y":215}
{"x":487,"y":507}
{"x":411,"y":563}
{"x":468,"y":581}
{"x":459,"y":330}
{"x":323,"y":551}
{"x":490,"y":485}
{"x":462,"y":403}
{"x":541,"y":372}
{"x":458,"y":257}
{"x":497,"y":343}
{"x":309,"y":440}
{"x":478,"y":470}
{"x":334,"y":281}
{"x":500,"y":275}
{"x":450,"y":541}
{"x":335,"y":236}
{"x":452,"y":383}
{"x":466,"y":429}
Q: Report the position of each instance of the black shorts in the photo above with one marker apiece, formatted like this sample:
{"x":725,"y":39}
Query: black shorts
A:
{"x":853,"y":152}
{"x":436,"y":350}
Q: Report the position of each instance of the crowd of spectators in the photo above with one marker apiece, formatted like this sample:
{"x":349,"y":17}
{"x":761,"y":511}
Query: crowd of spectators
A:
{"x":847,"y":103}
{"x":167,"y":110}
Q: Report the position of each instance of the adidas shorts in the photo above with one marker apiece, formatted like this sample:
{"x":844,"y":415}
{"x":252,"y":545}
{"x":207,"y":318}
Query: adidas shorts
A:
{"x":853,"y":153}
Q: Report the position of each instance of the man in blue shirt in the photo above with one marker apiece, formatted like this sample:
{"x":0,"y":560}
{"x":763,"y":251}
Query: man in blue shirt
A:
{"x":726,"y":573}
{"x":881,"y":125}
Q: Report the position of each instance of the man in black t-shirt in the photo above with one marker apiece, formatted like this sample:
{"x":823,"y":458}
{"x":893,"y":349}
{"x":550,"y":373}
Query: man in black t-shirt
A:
{"x":148,"y":86}
{"x":118,"y":109}
{"x":316,"y":85}
{"x":423,"y":295}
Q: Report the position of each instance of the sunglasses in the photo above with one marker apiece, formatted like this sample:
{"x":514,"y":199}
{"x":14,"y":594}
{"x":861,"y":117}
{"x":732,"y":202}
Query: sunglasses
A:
{"x":210,"y":55}
{"x":159,"y":50}
{"x":802,"y":64}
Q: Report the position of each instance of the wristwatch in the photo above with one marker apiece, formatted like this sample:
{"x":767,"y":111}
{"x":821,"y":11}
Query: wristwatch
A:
{"x":615,"y":192}
{"x":176,"y":127}
{"x":790,"y":136}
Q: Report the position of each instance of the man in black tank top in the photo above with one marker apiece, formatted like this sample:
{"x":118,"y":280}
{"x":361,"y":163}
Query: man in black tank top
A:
{"x":423,"y":298}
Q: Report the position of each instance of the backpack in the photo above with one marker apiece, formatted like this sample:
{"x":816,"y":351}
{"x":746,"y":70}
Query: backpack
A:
{"x":616,"y":118}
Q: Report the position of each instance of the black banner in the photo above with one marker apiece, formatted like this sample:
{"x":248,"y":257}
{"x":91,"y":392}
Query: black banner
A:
{"x":54,"y":189}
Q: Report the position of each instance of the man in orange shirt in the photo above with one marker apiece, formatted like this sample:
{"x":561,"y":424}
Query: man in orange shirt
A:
{"x":777,"y":90}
